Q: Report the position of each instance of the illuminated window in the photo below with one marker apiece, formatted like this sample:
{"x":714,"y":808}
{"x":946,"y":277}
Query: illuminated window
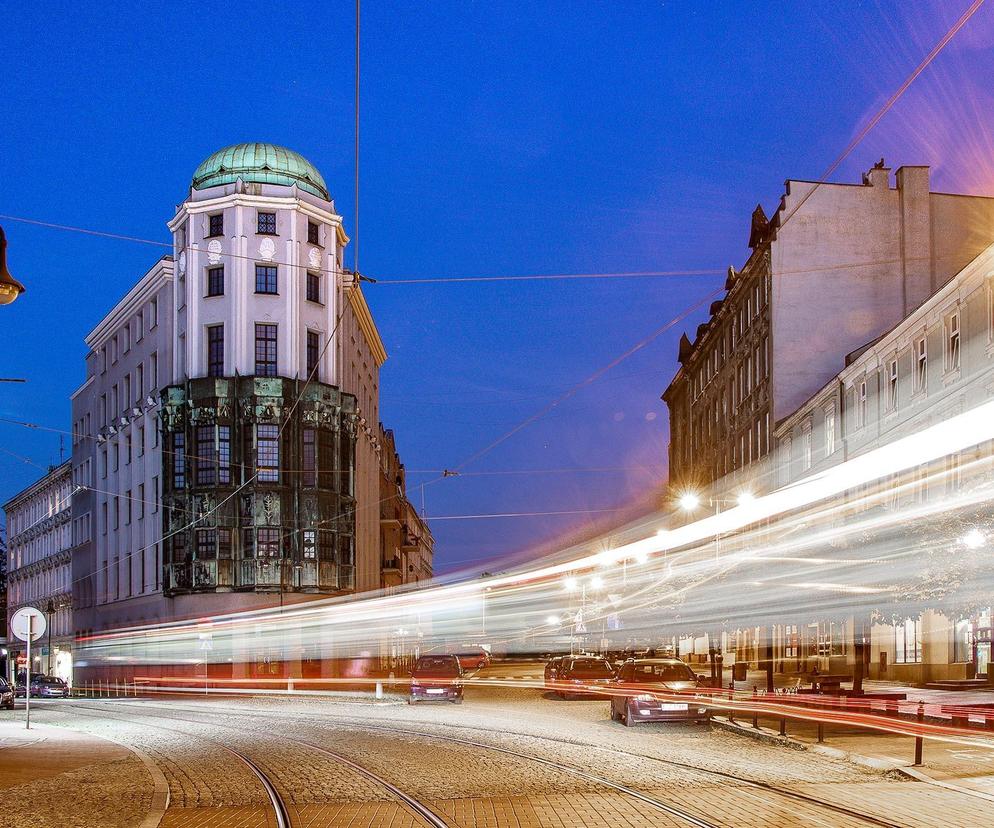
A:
{"x":861,"y":404}
{"x":268,"y":542}
{"x":268,"y":453}
{"x":830,"y":432}
{"x":224,"y":455}
{"x":892,"y":384}
{"x":908,"y":645}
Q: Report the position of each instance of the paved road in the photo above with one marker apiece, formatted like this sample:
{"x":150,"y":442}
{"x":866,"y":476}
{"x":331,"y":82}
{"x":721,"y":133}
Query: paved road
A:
{"x":509,"y":756}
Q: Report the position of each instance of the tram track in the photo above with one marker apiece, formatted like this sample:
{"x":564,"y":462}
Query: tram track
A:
{"x":281,"y":812}
{"x":860,"y":817}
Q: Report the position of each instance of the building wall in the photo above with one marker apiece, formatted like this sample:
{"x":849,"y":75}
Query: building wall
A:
{"x":855,"y":260}
{"x":117,"y":562}
{"x":39,"y":571}
{"x":843,"y":264}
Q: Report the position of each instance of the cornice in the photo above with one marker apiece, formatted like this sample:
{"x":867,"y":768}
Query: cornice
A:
{"x":366,"y":324}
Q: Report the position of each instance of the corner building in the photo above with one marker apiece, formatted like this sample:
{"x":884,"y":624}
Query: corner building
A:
{"x":263,"y":484}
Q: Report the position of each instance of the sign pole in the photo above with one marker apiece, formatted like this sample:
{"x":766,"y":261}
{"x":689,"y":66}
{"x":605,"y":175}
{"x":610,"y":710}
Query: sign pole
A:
{"x":27,"y":679}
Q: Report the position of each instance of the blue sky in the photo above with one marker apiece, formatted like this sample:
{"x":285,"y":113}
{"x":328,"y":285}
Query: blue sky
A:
{"x":498,"y":139}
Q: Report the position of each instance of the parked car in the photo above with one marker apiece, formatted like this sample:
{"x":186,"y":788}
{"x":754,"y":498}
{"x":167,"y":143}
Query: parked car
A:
{"x":552,"y":671}
{"x":20,"y":680}
{"x":436,"y":678}
{"x":44,"y":687}
{"x":576,"y":675}
{"x":476,"y":658}
{"x":6,"y":695}
{"x":634,"y":699}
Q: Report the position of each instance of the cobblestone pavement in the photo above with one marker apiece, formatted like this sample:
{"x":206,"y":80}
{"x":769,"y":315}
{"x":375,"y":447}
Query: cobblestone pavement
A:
{"x":478,"y":786}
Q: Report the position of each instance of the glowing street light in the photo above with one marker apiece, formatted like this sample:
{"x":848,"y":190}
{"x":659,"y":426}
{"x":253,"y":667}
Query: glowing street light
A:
{"x":570,"y":584}
{"x":745,"y":498}
{"x":641,"y":556}
{"x":553,"y":621}
{"x":597,"y":582}
{"x":974,"y":539}
{"x":689,"y":501}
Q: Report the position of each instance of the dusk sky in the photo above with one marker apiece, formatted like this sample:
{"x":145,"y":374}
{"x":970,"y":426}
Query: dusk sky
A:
{"x":497,"y":140}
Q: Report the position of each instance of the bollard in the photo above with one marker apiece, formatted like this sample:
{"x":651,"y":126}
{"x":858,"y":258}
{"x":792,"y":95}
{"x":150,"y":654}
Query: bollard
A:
{"x":289,"y":685}
{"x":919,"y":741}
{"x":821,"y":732}
{"x":755,"y":715}
{"x":379,"y":689}
{"x":783,"y":727}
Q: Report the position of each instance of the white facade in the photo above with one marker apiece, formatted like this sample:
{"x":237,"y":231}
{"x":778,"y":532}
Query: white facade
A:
{"x":39,"y":570}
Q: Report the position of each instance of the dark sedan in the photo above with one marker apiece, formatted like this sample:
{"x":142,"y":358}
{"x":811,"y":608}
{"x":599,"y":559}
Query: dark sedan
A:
{"x":639,"y":681}
{"x":436,"y":678}
{"x":6,"y":695}
{"x":584,"y":676}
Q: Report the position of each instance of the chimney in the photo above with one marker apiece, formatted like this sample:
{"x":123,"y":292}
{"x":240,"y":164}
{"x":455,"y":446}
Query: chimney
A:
{"x":878,"y":176}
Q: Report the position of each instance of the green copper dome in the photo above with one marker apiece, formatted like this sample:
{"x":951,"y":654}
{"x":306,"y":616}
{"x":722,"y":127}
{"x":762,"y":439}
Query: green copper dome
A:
{"x":261,"y":163}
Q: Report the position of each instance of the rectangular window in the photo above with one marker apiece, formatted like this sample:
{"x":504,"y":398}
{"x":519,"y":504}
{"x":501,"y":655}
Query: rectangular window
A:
{"x":127,"y":507}
{"x":205,"y":450}
{"x":267,"y":453}
{"x":215,"y":225}
{"x":830,"y":432}
{"x":153,"y":313}
{"x":103,"y":464}
{"x":313,"y":286}
{"x":861,"y":404}
{"x":126,"y":398}
{"x":265,"y":349}
{"x":127,"y":449}
{"x":248,"y":543}
{"x":309,"y":458}
{"x":155,"y":494}
{"x":153,"y":372}
{"x":179,"y":460}
{"x":206,"y":544}
{"x":224,"y":543}
{"x":952,"y":342}
{"x":103,"y":515}
{"x":139,"y":327}
{"x":908,"y":645}
{"x":215,"y":281}
{"x":326,"y":459}
{"x":892,"y":385}
{"x":139,"y":383}
{"x":265,"y":278}
{"x":215,"y":350}
{"x":921,"y":363}
{"x":806,"y":448}
{"x":313,"y":354}
{"x":140,"y":503}
{"x":310,"y":544}
{"x":268,"y":542}
{"x":312,"y":233}
{"x":266,"y":224}
{"x":141,"y":440}
{"x":224,"y":455}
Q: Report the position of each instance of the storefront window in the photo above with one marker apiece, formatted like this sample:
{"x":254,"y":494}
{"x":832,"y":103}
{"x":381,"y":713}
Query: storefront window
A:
{"x":908,"y":647}
{"x":963,"y":641}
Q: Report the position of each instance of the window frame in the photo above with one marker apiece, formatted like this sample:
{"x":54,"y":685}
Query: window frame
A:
{"x":265,"y":287}
{"x":215,"y":350}
{"x":215,"y":281}
{"x":313,"y":280}
{"x":260,"y":215}
{"x":213,"y":232}
{"x":270,"y":362}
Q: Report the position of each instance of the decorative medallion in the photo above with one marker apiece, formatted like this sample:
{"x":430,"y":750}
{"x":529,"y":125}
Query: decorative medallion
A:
{"x":214,"y":252}
{"x":314,"y":257}
{"x":267,"y":249}
{"x":182,"y":263}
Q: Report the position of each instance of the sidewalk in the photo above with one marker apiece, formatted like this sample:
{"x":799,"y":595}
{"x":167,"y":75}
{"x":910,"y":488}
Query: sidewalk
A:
{"x":52,"y":776}
{"x":968,"y":768}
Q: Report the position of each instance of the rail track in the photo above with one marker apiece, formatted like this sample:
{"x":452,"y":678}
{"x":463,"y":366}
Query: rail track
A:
{"x":855,"y":817}
{"x":281,"y":812}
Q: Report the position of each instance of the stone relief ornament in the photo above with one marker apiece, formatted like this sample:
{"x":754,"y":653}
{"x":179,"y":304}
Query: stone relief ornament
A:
{"x":314,"y":257}
{"x":267,"y":249}
{"x":182,"y":263}
{"x":214,"y":251}
{"x":271,"y":509}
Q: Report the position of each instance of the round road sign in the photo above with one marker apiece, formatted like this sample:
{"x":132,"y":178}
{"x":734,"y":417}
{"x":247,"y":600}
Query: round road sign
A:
{"x":20,"y":623}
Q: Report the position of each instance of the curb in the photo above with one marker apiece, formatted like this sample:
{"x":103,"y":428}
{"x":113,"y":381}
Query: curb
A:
{"x":768,"y":736}
{"x":160,"y":787}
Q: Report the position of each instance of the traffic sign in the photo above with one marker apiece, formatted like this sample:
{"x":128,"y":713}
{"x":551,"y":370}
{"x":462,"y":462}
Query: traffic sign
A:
{"x":28,"y":622}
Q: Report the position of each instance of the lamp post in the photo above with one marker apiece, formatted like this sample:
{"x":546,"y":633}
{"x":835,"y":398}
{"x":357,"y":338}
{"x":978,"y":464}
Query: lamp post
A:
{"x":49,"y":611}
{"x":10,"y":288}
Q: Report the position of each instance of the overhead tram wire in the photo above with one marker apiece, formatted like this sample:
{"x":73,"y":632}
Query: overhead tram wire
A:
{"x":943,"y":42}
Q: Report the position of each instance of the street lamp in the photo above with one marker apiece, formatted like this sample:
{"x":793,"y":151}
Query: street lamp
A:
{"x":974,"y":539}
{"x":10,"y":288}
{"x":553,"y":620}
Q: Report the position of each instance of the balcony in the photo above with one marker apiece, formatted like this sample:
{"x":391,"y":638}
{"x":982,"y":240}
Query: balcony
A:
{"x":264,"y":574}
